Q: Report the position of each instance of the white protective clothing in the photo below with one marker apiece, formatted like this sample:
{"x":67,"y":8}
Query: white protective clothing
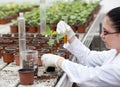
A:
{"x":49,"y":60}
{"x":64,"y":28}
{"x":96,"y":69}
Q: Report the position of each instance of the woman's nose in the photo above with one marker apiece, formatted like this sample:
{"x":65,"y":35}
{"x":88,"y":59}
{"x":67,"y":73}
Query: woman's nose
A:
{"x":102,"y":35}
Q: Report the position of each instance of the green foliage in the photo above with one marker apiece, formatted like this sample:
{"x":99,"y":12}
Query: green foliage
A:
{"x":33,"y":17}
{"x":10,"y":9}
{"x":2,"y":15}
{"x":77,"y":12}
{"x":59,"y":37}
{"x":51,"y":42}
{"x":14,"y":22}
{"x":50,"y":33}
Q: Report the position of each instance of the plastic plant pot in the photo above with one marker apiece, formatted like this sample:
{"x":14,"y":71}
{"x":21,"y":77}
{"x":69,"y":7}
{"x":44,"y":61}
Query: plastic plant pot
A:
{"x":26,"y":76}
{"x":17,"y":59}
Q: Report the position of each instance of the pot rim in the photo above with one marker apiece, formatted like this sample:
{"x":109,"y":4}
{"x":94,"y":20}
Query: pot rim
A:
{"x":26,"y":70}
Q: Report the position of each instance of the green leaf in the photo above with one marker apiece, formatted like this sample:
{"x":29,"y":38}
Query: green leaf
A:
{"x":59,"y":37}
{"x":51,"y":42}
{"x":47,"y":31}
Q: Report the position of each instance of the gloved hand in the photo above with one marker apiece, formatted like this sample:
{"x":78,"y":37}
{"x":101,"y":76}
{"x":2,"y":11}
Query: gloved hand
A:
{"x":50,"y":60}
{"x":64,"y":28}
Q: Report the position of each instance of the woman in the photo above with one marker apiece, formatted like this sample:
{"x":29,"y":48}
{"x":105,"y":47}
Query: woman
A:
{"x":96,"y":69}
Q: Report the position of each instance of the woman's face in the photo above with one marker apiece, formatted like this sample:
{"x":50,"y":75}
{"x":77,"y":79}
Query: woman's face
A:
{"x":110,"y":37}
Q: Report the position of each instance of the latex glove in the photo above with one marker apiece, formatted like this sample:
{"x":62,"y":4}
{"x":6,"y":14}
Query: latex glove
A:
{"x":64,"y":28}
{"x":50,"y":60}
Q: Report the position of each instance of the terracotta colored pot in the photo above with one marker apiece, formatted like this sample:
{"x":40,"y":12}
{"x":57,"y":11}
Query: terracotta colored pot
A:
{"x":53,"y":27}
{"x":8,"y":57}
{"x":32,"y":29}
{"x":5,"y":21}
{"x":17,"y":59}
{"x":81,"y":29}
{"x":38,"y":29}
{"x":26,"y":76}
{"x":74,"y":28}
{"x":1,"y":48}
{"x":64,"y":53}
{"x":13,"y":29}
{"x":39,"y":59}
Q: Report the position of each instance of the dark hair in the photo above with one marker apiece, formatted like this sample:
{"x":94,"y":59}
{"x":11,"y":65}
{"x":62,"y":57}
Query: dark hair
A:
{"x":114,"y":16}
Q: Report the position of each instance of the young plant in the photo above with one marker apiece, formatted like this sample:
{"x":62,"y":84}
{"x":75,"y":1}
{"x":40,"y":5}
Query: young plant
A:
{"x":50,"y":33}
{"x":14,"y":22}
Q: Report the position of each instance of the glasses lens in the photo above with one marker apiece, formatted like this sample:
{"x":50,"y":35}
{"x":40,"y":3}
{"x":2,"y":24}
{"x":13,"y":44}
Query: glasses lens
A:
{"x":105,"y":32}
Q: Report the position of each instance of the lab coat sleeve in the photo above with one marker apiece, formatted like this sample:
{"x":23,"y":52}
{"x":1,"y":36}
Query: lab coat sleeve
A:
{"x":87,"y":57}
{"x":105,"y":76}
{"x":77,"y":49}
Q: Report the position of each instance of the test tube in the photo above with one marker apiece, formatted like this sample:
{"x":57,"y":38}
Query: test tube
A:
{"x":65,"y":18}
{"x":65,"y":38}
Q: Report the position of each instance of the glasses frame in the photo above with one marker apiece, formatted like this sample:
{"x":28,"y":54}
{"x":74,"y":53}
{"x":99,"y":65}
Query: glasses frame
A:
{"x":107,"y":33}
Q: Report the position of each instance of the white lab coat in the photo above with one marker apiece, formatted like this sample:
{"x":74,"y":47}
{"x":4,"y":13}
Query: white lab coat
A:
{"x":96,"y":69}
